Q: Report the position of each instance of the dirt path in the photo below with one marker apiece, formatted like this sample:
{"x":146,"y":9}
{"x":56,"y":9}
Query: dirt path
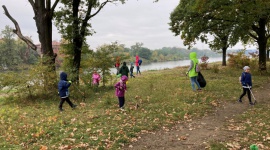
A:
{"x":194,"y":135}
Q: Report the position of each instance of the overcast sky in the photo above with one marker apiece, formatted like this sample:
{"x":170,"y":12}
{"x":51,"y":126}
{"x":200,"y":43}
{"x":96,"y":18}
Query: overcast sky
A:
{"x":136,"y":21}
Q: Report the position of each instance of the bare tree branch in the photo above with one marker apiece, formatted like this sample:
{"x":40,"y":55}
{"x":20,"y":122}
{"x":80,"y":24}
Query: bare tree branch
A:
{"x":18,"y":30}
{"x":54,"y":5}
{"x":101,"y":6}
{"x":32,"y":2}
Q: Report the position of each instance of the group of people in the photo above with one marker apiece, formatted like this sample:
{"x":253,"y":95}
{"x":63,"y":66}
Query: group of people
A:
{"x":245,"y":78}
{"x":64,"y":84}
{"x":124,"y":70}
{"x":120,"y":87}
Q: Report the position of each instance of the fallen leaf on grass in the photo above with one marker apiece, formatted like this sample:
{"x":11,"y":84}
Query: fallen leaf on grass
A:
{"x":65,"y":147}
{"x":233,"y":145}
{"x":93,"y":138}
{"x":214,"y":103}
{"x":70,"y":139}
{"x":181,"y":138}
{"x":42,"y":147}
{"x":83,"y":104}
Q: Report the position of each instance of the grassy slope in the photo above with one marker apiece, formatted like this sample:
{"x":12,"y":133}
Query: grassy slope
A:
{"x":165,"y":97}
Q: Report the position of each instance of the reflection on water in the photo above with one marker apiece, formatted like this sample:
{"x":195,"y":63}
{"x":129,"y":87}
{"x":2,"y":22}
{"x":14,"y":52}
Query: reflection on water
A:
{"x":172,"y":64}
{"x":167,"y":64}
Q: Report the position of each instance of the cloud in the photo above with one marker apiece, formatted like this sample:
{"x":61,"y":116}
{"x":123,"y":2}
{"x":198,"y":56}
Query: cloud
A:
{"x":135,"y":21}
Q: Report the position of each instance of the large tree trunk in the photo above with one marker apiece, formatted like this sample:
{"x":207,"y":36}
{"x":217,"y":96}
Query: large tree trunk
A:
{"x":224,"y":50}
{"x":43,"y":18}
{"x":77,"y":41}
{"x":262,"y":41}
{"x":267,"y":58}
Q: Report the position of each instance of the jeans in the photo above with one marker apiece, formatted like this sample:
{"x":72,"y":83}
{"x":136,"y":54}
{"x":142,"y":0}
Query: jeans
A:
{"x":193,"y":82}
{"x":138,"y":69}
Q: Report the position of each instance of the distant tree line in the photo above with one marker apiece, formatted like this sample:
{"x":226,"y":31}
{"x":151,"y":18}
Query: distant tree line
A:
{"x":165,"y":53}
{"x":14,"y":52}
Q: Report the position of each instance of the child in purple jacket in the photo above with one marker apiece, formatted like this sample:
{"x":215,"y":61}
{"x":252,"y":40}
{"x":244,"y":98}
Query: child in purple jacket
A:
{"x":120,"y":89}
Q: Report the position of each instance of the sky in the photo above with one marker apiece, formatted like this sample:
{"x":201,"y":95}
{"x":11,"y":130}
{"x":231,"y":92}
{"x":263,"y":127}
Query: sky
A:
{"x":135,"y":21}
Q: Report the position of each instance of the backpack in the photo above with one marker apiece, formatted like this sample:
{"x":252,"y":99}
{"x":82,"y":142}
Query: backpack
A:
{"x":241,"y":77}
{"x":197,"y":68}
{"x":140,"y":62}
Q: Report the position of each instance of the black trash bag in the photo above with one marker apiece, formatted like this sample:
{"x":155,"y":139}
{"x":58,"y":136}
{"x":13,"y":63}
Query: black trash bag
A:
{"x":201,"y":80}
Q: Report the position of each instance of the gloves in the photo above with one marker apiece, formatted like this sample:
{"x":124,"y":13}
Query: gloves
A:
{"x":70,"y":82}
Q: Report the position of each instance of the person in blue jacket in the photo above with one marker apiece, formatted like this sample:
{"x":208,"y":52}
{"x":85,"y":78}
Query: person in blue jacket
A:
{"x":246,"y":82}
{"x":63,"y":86}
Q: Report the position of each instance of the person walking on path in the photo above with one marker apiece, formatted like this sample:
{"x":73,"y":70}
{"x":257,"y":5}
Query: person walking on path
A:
{"x":124,"y":69}
{"x":246,"y":82}
{"x":120,"y":89}
{"x":137,"y":64}
{"x":192,"y":71}
{"x":63,"y":86}
{"x":131,"y":70}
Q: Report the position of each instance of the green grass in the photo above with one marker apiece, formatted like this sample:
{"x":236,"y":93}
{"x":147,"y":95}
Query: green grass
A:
{"x":165,"y":97}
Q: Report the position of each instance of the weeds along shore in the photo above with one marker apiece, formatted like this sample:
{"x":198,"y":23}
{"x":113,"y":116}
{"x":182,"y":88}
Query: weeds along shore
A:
{"x":154,"y":100}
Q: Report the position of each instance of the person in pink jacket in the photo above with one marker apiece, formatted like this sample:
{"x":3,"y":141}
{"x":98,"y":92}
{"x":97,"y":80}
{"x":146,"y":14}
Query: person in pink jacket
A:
{"x":120,"y":89}
{"x":95,"y":78}
{"x":137,"y":64}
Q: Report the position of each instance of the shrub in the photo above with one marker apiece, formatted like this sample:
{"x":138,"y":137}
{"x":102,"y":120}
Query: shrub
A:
{"x":215,"y":68}
{"x":239,"y":60}
{"x":32,"y":83}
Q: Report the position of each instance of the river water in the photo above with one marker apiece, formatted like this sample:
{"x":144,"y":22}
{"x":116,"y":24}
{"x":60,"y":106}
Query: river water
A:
{"x":167,"y":64}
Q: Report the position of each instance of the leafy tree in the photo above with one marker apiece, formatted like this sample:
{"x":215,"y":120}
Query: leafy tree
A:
{"x":43,"y":11}
{"x":103,"y":60}
{"x":145,"y":53}
{"x":154,"y":56}
{"x":72,"y":21}
{"x":26,"y":54}
{"x":15,"y":52}
{"x":135,"y":48}
{"x":236,"y":20}
{"x":9,"y":57}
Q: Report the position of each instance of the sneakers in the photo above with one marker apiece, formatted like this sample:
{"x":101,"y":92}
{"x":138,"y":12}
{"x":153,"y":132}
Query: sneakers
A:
{"x":74,"y":106}
{"x":240,"y":101}
{"x":250,"y":103}
{"x":61,"y":109}
{"x":122,"y":109}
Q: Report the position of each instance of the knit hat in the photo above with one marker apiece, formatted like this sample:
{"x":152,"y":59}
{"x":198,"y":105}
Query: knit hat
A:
{"x":246,"y":67}
{"x":124,"y":78}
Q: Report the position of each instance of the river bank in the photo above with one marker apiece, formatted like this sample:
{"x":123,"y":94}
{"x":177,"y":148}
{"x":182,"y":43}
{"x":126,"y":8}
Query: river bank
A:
{"x":166,"y":64}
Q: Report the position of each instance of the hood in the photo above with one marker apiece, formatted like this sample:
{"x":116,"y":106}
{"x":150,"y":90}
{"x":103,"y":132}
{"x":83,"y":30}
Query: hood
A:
{"x":124,"y":78}
{"x":118,"y":59}
{"x":124,"y":63}
{"x":63,"y":76}
{"x":193,"y":55}
{"x":137,"y":57}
